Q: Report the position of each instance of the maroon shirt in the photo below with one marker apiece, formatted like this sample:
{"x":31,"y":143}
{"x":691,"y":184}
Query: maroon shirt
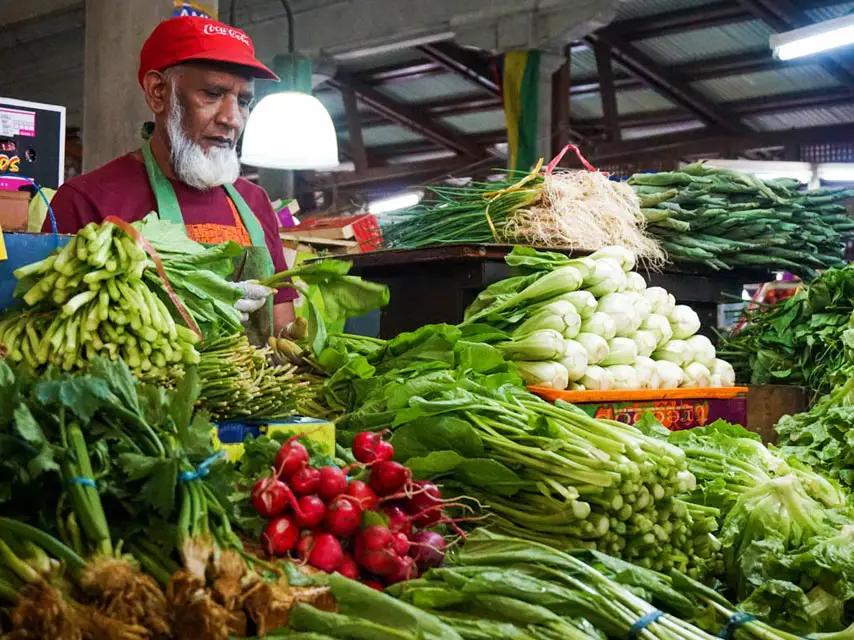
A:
{"x":121,"y":188}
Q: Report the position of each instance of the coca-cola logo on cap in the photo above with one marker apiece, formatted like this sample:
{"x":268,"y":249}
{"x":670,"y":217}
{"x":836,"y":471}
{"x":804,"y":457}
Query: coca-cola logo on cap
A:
{"x":217,"y":30}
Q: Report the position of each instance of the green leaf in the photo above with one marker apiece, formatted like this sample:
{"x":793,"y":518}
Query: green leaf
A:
{"x":436,"y":433}
{"x":159,"y":490}
{"x":182,"y":401}
{"x":374,"y":518}
{"x":27,"y":427}
{"x":82,"y":395}
{"x":490,"y":474}
{"x":437,"y":463}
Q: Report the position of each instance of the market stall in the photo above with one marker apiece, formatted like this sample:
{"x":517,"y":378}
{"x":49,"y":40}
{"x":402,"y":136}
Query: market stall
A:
{"x":560,"y":458}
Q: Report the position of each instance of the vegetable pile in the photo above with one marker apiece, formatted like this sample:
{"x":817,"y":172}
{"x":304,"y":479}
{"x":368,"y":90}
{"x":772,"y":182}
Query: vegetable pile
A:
{"x":501,"y":587}
{"x":240,"y":380}
{"x":107,"y":475}
{"x":458,"y":412}
{"x":786,"y":531}
{"x":800,"y":340}
{"x":90,"y":299}
{"x":593,"y":324}
{"x":571,"y":209}
{"x":722,"y":218}
{"x":374,"y":530}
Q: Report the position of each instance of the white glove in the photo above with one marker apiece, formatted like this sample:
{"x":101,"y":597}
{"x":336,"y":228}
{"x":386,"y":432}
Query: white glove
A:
{"x":254,"y":297}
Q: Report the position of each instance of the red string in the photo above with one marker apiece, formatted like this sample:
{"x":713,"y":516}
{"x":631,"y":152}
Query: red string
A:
{"x":140,"y":240}
{"x":556,"y":161}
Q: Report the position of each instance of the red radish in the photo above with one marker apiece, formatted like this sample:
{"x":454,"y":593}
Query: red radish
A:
{"x":373,"y":584}
{"x":363,"y":494}
{"x":428,"y":549}
{"x":280,"y":535}
{"x":398,"y":520}
{"x":312,"y":511}
{"x":305,"y":481}
{"x":305,"y":544}
{"x":425,"y":504}
{"x":388,"y":477}
{"x":370,"y":447}
{"x":401,"y":543}
{"x":374,"y":550}
{"x":326,"y":553}
{"x":348,"y":567}
{"x":292,"y":457}
{"x":404,"y":569}
{"x":343,"y":516}
{"x":270,"y":497}
{"x":333,"y":482}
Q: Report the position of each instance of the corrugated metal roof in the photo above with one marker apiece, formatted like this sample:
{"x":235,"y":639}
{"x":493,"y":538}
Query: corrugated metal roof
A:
{"x":333,"y":102}
{"x":815,"y":117}
{"x":660,"y":129}
{"x":639,"y":8}
{"x":583,"y":64}
{"x":694,"y":45}
{"x":641,"y":100}
{"x":767,"y":83}
{"x":384,"y":59}
{"x":586,"y":106}
{"x":387,"y":134}
{"x":589,"y":105}
{"x":477,"y":122}
{"x":828,"y":13}
{"x":431,"y":88}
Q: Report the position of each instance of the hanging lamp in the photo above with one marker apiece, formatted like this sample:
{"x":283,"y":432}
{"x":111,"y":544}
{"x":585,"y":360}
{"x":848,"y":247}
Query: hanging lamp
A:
{"x":290,"y":129}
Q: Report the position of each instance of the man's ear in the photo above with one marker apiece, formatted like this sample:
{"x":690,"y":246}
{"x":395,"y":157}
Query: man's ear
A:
{"x":156,"y":90}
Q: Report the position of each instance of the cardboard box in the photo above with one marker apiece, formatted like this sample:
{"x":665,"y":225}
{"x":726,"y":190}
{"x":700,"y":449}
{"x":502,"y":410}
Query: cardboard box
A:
{"x":14,"y":207}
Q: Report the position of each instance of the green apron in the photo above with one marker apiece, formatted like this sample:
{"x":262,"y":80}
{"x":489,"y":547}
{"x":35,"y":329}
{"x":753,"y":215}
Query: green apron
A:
{"x":257,"y":262}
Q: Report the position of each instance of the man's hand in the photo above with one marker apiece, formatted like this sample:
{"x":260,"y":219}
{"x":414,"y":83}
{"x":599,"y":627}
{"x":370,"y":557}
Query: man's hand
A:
{"x":254,"y":297}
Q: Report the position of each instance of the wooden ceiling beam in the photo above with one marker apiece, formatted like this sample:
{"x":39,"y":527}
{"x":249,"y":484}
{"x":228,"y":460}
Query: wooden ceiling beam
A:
{"x":464,"y":62}
{"x":408,"y":116}
{"x":665,"y":81}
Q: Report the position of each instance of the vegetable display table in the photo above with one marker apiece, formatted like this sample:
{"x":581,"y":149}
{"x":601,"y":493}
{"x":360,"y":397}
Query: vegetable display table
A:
{"x":436,"y":284}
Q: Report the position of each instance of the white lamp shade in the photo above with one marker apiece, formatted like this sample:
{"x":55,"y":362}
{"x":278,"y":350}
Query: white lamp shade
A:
{"x":290,"y":130}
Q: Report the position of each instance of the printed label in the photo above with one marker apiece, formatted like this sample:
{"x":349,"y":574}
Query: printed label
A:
{"x":15,"y":122}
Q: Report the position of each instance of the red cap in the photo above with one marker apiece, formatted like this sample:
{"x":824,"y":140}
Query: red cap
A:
{"x":188,"y":39}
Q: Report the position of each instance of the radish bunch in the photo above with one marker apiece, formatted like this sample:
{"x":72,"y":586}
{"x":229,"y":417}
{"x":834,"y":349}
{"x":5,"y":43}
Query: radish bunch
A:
{"x":372,"y":529}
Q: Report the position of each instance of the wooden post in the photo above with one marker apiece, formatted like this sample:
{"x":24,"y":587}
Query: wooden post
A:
{"x":354,"y":129}
{"x":607,"y":91}
{"x":561,"y":81}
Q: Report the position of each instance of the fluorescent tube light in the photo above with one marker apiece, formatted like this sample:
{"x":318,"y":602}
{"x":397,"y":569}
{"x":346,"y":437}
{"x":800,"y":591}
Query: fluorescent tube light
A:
{"x":836,"y":172}
{"x":395,"y":203}
{"x":814,"y":38}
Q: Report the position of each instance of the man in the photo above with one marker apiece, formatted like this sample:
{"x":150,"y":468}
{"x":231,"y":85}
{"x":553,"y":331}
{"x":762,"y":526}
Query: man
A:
{"x":198,"y":79}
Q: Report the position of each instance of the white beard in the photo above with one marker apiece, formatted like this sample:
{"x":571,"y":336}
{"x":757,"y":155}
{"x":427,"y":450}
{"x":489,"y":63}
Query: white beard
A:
{"x":194,"y":166}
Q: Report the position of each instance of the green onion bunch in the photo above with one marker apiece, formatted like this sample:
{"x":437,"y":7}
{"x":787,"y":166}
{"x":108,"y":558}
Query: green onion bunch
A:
{"x":722,"y":218}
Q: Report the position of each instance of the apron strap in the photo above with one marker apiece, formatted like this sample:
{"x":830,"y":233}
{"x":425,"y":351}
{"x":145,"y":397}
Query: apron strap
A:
{"x":164,"y":194}
{"x":169,"y":210}
{"x":253,"y":227}
{"x":256,"y":235}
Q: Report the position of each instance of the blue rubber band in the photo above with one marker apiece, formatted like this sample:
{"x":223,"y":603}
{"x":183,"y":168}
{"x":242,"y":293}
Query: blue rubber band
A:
{"x":734,"y":622}
{"x":86,"y":482}
{"x":643,"y":623}
{"x":49,"y":210}
{"x":203,"y":469}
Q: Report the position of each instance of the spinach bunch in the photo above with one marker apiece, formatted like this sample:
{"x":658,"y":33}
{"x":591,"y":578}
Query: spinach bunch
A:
{"x":800,"y":340}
